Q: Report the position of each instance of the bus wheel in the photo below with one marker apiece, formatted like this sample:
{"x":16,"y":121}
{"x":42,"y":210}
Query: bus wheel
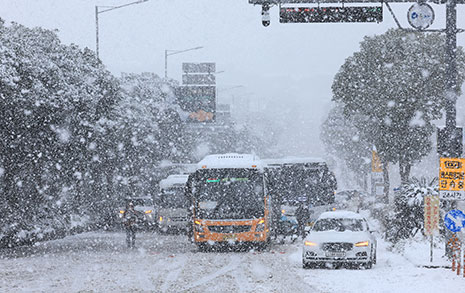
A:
{"x":202,"y":247}
{"x":265,"y":246}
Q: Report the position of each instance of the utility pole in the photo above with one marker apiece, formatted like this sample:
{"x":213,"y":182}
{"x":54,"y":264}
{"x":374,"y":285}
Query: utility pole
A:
{"x":453,"y":150}
{"x":96,"y":32}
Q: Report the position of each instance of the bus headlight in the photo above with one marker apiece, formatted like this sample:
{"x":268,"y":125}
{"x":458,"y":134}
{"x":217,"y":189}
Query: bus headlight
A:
{"x":361,"y":244}
{"x":260,"y":226}
{"x":198,"y":227}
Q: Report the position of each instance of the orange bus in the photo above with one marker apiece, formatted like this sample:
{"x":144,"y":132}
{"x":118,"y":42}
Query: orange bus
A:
{"x":230,"y":202}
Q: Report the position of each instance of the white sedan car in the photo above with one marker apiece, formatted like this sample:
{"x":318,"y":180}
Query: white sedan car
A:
{"x":340,"y":237}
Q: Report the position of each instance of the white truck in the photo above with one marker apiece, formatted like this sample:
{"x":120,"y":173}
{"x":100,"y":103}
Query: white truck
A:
{"x":172,"y":204}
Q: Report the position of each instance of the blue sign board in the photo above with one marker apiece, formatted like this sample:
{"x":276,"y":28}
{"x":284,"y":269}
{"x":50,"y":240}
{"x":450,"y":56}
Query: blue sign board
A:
{"x":454,"y":220}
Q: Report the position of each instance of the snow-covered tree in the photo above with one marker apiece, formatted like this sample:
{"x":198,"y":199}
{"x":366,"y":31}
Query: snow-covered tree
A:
{"x":346,"y":142}
{"x":52,"y":98}
{"x":395,"y":85}
{"x":148,"y":128}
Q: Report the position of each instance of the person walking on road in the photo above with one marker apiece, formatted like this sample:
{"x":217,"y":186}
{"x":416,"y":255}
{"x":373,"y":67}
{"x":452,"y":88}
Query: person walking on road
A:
{"x":303,"y":216}
{"x":130,"y":224}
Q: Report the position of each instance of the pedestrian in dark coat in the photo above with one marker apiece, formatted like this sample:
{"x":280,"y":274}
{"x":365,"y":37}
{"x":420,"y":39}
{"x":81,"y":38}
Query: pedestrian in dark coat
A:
{"x":130,"y":224}
{"x":302,"y":215}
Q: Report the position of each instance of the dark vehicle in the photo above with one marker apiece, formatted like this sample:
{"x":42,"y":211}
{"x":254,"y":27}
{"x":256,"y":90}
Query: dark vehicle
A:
{"x":295,"y":181}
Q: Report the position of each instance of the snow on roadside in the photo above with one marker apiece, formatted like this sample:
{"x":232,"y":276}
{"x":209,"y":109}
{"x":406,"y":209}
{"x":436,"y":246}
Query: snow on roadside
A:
{"x":99,"y":261}
{"x":392,"y":273}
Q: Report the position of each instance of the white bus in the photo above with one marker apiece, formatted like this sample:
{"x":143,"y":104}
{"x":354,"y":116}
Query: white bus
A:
{"x":173,"y":204}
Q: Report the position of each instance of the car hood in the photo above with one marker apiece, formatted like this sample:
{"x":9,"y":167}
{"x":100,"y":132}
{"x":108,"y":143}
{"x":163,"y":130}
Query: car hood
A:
{"x":333,"y":236}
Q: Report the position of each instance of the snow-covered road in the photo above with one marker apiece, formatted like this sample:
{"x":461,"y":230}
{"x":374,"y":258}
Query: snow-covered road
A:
{"x":100,"y":262}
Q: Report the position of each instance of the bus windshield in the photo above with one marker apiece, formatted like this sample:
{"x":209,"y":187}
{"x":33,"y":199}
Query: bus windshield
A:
{"x":173,"y":197}
{"x":140,"y":201}
{"x":229,"y":195}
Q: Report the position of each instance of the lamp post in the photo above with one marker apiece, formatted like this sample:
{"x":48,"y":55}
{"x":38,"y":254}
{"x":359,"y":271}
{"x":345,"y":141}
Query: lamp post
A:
{"x":174,"y":52}
{"x":108,"y":8}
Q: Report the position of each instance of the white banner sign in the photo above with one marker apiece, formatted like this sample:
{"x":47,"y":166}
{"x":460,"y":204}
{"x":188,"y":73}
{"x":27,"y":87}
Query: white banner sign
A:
{"x":451,"y":195}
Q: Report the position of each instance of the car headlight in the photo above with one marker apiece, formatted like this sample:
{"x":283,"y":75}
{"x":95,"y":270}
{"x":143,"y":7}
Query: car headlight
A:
{"x":310,"y":243}
{"x":361,"y":244}
{"x":148,"y":212}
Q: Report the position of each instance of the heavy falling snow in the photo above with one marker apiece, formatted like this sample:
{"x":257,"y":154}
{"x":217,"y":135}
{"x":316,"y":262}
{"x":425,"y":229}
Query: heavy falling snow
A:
{"x":99,"y":261}
{"x":231,"y":146}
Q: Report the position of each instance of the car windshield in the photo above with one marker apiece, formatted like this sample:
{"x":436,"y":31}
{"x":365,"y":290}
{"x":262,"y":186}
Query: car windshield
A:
{"x":173,"y":197}
{"x":339,"y":225}
{"x":230,"y":196}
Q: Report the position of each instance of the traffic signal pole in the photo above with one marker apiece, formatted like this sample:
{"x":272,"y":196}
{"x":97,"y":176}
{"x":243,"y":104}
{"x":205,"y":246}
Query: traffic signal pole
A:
{"x":451,"y":81}
{"x":450,"y":138}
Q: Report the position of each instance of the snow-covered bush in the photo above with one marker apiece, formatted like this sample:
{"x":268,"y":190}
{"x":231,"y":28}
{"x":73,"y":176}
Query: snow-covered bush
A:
{"x":406,"y":220}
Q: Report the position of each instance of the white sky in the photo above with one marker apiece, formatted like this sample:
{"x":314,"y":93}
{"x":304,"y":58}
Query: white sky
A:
{"x":284,"y":68}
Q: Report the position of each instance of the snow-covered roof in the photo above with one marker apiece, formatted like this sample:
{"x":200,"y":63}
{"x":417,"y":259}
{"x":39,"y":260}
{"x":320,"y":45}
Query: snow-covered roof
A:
{"x":340,"y":215}
{"x":231,"y":160}
{"x":294,"y":160}
{"x":139,"y":198}
{"x":173,"y":180}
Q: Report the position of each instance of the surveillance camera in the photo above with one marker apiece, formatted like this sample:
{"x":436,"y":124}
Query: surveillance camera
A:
{"x":266,"y":14}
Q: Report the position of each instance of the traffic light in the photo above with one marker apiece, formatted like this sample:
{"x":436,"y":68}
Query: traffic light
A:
{"x":331,"y":14}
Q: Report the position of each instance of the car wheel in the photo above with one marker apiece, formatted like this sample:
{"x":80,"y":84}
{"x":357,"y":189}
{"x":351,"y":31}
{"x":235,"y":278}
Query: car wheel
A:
{"x":306,"y":265}
{"x":368,"y":265}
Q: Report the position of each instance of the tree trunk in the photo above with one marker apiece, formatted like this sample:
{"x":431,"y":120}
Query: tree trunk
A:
{"x":365,"y":182}
{"x":386,"y":181}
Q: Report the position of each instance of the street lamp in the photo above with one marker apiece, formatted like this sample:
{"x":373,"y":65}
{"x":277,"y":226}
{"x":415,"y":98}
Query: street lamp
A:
{"x":108,"y":8}
{"x":174,"y":52}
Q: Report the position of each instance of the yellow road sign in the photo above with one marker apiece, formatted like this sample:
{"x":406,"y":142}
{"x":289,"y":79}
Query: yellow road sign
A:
{"x":451,"y":178}
{"x":376,"y":162}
